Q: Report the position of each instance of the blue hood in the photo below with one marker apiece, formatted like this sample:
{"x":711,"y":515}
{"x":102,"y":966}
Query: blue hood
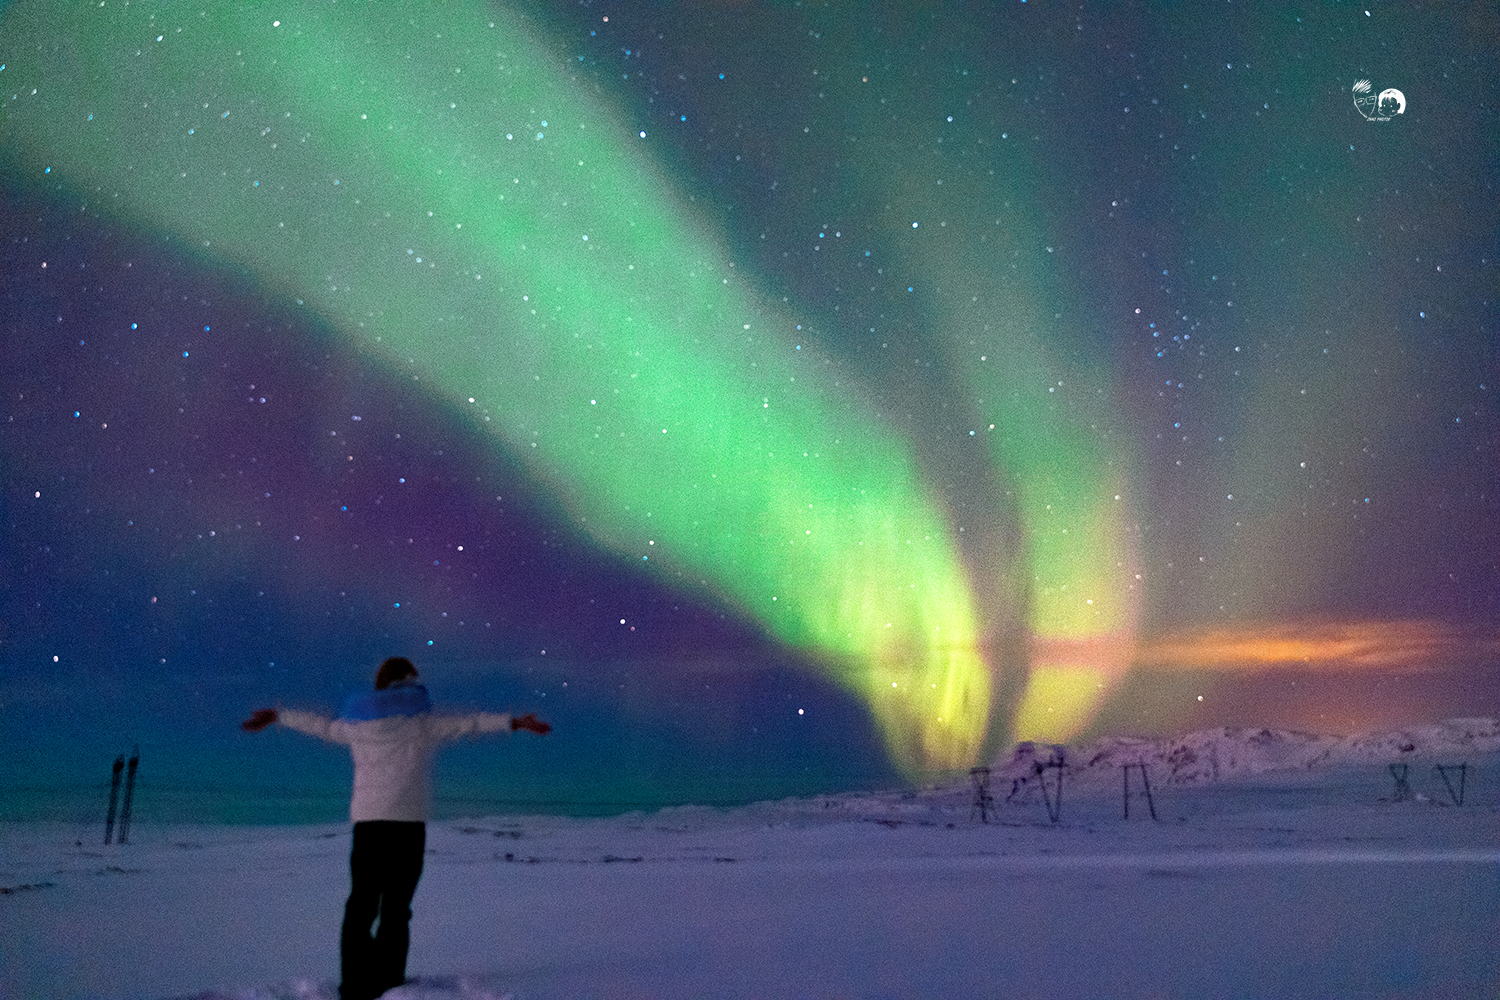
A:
{"x":396,"y":700}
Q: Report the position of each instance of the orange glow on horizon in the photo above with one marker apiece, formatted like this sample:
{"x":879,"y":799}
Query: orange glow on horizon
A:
{"x":1370,"y":645}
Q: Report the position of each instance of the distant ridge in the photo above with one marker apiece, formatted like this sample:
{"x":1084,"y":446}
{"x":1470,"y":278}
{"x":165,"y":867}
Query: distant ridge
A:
{"x":1218,"y":754}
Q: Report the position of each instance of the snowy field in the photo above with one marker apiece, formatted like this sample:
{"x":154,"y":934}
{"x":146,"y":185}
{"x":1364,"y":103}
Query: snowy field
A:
{"x":1279,"y":865}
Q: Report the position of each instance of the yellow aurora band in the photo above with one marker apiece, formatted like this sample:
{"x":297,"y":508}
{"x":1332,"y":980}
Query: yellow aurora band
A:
{"x":428,"y":181}
{"x":1046,"y":416}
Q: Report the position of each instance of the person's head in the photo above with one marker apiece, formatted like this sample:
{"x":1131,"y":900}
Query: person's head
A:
{"x":397,"y":668}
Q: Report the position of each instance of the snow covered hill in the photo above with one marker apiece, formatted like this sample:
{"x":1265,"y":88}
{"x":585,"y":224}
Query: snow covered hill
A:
{"x":1221,"y":754}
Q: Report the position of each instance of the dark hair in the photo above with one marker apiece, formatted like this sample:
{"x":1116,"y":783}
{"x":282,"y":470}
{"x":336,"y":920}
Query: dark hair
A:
{"x":395,"y":669}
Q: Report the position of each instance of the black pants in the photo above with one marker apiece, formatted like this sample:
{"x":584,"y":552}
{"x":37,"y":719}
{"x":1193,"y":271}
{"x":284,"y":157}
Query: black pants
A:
{"x":384,"y":866}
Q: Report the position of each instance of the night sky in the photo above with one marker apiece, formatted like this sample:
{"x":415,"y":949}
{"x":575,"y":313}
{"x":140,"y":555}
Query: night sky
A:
{"x":777,"y":398}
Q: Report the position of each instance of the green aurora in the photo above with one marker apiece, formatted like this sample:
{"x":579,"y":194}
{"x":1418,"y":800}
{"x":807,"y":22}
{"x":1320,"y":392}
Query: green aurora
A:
{"x":453,"y":199}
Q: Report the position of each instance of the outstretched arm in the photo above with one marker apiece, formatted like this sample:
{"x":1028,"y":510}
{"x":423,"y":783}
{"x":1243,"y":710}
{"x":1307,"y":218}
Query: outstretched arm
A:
{"x":259,"y":719}
{"x":442,"y":728}
{"x":332,"y":730}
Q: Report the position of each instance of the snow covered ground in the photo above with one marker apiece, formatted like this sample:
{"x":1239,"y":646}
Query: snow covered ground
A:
{"x":1280,"y":865}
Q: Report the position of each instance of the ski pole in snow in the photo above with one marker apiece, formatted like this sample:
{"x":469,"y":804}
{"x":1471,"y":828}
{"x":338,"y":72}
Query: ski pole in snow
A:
{"x":1145,"y":783}
{"x":114,"y":795}
{"x":1058,"y":763}
{"x":984,"y":802}
{"x":1463,"y":773}
{"x":135,"y":760}
{"x":1403,"y":787}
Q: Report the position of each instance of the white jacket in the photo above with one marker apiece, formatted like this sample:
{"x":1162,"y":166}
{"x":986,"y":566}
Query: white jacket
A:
{"x":393,"y":756}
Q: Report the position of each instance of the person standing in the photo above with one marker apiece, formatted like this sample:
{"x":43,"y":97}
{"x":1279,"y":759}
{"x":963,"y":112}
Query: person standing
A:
{"x":392,"y":734}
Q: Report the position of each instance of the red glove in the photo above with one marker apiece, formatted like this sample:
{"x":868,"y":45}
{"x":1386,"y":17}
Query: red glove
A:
{"x":259,"y":720}
{"x":531,"y":722}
